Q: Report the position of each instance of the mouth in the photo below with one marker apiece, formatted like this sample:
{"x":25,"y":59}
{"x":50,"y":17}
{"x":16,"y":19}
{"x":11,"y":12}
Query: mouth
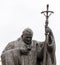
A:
{"x":28,"y":41}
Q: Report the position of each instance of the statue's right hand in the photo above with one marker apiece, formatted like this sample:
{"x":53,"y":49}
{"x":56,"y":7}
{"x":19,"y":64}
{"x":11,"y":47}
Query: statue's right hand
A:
{"x":23,"y":51}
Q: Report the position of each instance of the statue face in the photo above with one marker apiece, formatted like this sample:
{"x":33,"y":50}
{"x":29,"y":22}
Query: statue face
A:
{"x":27,"y":38}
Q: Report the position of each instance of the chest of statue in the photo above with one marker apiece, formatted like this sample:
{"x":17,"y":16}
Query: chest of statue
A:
{"x":30,"y":58}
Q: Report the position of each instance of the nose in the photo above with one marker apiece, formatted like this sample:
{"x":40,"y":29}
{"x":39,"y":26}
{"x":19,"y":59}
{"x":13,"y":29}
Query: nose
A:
{"x":29,"y":38}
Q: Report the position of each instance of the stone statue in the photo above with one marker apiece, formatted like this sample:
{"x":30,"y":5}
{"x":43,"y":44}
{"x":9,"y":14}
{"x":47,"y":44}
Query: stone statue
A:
{"x":25,"y":51}
{"x":22,"y":51}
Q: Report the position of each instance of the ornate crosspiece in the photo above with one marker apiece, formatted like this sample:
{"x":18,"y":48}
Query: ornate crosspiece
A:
{"x":47,"y":13}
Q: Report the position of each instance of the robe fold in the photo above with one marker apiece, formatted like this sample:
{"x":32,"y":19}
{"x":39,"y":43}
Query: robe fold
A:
{"x":12,"y":53}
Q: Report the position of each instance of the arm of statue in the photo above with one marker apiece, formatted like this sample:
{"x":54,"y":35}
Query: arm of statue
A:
{"x":51,"y":42}
{"x":51,"y":46}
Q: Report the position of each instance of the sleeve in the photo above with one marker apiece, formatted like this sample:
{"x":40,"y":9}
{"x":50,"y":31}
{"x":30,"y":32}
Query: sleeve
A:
{"x":51,"y":48}
{"x":51,"y":44}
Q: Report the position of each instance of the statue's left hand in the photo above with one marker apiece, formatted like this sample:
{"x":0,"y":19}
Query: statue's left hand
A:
{"x":48,"y":30}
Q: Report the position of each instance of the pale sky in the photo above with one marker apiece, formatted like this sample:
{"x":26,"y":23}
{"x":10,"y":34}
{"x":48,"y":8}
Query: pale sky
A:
{"x":16,"y":15}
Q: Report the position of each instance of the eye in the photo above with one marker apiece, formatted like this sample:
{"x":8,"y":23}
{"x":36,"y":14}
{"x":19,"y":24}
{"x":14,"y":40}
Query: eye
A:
{"x":28,"y":37}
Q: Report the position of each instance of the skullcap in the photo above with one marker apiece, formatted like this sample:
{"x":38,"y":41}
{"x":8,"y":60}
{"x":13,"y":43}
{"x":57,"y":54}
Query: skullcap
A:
{"x":28,"y":31}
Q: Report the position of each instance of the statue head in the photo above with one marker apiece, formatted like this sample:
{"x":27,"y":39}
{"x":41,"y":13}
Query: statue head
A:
{"x":27,"y":35}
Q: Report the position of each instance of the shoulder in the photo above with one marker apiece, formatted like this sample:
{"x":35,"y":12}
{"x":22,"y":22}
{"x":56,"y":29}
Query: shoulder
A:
{"x":9,"y":46}
{"x":11,"y":43}
{"x":35,"y":42}
{"x":40,"y":44}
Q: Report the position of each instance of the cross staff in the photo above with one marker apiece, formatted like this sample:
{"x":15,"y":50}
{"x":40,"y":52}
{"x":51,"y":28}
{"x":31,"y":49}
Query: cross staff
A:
{"x":46,"y":14}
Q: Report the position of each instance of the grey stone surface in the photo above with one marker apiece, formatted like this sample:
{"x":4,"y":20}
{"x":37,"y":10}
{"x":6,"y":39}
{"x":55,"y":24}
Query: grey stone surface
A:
{"x":25,"y":51}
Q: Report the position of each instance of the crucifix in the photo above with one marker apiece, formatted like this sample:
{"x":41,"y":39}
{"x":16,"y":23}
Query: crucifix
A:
{"x":46,"y":13}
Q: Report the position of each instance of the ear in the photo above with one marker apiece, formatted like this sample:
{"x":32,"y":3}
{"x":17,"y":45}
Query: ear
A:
{"x":21,"y":35}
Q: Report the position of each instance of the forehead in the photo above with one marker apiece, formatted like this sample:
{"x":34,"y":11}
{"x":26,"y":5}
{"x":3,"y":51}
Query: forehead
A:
{"x":27,"y":35}
{"x":28,"y":31}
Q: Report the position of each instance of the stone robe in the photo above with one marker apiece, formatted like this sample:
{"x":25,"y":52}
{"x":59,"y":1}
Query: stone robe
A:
{"x":12,"y":56}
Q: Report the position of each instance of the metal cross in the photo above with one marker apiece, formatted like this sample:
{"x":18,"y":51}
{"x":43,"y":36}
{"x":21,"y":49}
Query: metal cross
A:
{"x":46,"y":14}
